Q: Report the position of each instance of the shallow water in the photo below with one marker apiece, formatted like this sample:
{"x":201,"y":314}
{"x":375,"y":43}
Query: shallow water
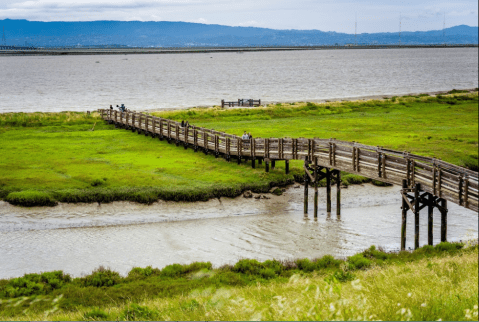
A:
{"x":122,"y":235}
{"x":79,"y":83}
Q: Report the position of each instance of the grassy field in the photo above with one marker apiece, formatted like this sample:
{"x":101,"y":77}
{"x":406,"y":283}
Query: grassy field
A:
{"x":51,"y":157}
{"x":431,"y":283}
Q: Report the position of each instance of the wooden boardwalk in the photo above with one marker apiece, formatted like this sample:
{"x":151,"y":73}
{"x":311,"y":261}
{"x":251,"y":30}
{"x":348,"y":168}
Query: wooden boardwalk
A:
{"x":426,"y":182}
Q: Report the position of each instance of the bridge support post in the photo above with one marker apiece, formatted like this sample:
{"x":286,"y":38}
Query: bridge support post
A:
{"x":306,"y":183}
{"x":430,"y":210}
{"x":266,"y":165}
{"x":286,"y":166}
{"x":404,"y":208}
{"x":328,"y":191}
{"x":253,"y":163}
{"x":315,"y":188}
{"x":443,"y":220}
{"x":338,"y":193}
{"x":260,"y":161}
{"x":416,"y":215}
{"x":273,"y":164}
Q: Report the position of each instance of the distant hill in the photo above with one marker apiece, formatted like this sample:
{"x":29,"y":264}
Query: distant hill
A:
{"x":184,"y":34}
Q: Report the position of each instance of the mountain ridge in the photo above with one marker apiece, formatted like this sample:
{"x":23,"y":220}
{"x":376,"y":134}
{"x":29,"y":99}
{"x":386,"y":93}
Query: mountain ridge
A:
{"x":188,"y":34}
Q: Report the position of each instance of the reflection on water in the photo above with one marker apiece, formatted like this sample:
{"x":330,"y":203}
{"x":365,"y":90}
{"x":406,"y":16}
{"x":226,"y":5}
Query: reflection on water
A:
{"x":124,"y":235}
{"x":78,"y":83}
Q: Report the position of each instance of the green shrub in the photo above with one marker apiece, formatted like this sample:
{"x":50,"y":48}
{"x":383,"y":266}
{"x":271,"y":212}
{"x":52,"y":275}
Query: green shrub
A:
{"x":136,"y":312}
{"x":267,"y":273}
{"x":101,"y":277}
{"x":30,"y":198}
{"x":248,"y":266}
{"x":138,"y":272}
{"x":173,"y":270}
{"x":372,"y":253}
{"x":274,"y":265}
{"x":97,"y":182}
{"x":95,"y":314}
{"x":305,"y":265}
{"x":190,"y":305}
{"x":197,"y":266}
{"x":35,"y":284}
{"x":277,"y":192}
{"x":327,"y":261}
{"x":358,"y":262}
{"x":448,"y":247}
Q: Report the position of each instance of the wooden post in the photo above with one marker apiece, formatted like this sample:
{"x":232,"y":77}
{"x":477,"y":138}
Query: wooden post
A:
{"x":253,"y":163}
{"x":404,"y":208}
{"x":286,"y":166}
{"x":186,"y":137}
{"x":430,"y":210}
{"x":444,"y":220}
{"x":239,"y":144}
{"x":416,"y":215}
{"x":266,"y":165}
{"x":222,"y":103}
{"x":315,"y":187}
{"x":260,"y":161}
{"x":273,"y":164}
{"x":306,"y":183}
{"x":328,"y":191}
{"x":338,"y":194}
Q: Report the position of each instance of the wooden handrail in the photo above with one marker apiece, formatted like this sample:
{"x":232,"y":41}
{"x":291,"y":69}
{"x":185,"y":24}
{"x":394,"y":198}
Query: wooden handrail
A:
{"x":445,"y":180}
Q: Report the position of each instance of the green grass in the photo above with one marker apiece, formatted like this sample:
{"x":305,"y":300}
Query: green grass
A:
{"x":55,"y":157}
{"x":429,"y":283}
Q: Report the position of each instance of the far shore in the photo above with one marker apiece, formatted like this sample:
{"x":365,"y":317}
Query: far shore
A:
{"x":321,"y":100}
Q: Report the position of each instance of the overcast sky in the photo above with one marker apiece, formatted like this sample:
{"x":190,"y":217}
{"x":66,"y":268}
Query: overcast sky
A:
{"x":325,"y":15}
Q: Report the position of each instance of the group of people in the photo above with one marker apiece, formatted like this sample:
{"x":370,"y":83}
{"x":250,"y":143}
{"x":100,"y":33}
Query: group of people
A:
{"x":246,"y":136}
{"x":121,"y":108}
{"x":185,"y":123}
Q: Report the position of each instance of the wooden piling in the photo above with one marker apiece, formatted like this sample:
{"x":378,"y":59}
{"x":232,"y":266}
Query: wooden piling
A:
{"x":444,"y":220}
{"x":328,"y":190}
{"x":266,"y":165}
{"x":253,"y":163}
{"x":430,"y":210}
{"x":260,"y":161}
{"x":416,"y":215}
{"x":404,"y":208}
{"x":315,"y":187}
{"x":338,"y":194}
{"x":273,"y":164}
{"x":286,"y":166}
{"x":306,"y":183}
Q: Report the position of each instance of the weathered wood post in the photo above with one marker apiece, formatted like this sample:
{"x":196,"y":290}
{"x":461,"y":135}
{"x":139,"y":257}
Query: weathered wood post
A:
{"x":266,"y":165}
{"x":273,"y":164}
{"x":328,"y":191}
{"x":430,"y":210}
{"x":315,"y":187}
{"x":286,"y":166}
{"x":444,"y":220}
{"x":222,"y":103}
{"x":338,"y":194}
{"x":253,"y":163}
{"x":404,"y":208}
{"x":260,"y":161}
{"x":306,"y":183}
{"x":416,"y":215}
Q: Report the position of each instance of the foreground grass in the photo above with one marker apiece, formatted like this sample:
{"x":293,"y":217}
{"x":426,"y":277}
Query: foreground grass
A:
{"x":50,"y":157}
{"x":430,"y":283}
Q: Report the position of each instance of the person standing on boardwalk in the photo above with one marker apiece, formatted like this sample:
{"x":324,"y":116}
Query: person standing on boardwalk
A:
{"x":245,"y":136}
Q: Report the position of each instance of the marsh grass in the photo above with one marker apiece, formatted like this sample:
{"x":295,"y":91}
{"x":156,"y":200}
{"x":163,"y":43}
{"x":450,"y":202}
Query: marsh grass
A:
{"x":430,"y":283}
{"x":58,"y":156}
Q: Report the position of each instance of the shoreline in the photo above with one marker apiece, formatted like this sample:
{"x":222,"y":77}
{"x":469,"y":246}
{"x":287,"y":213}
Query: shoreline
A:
{"x":202,"y":50}
{"x":320,"y":100}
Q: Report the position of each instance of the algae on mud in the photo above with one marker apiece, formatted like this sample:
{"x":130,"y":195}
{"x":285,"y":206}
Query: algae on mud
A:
{"x":60,"y":157}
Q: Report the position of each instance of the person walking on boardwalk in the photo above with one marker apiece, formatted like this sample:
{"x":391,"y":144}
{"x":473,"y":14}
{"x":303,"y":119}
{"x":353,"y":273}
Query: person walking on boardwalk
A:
{"x":245,"y":136}
{"x":111,"y":107}
{"x":182,"y":123}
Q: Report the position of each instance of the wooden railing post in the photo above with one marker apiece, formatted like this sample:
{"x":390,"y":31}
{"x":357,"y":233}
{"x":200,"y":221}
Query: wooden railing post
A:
{"x":417,"y":187}
{"x":404,"y":208}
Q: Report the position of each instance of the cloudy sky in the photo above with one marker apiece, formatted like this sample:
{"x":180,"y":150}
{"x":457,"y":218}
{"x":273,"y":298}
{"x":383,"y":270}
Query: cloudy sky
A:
{"x":325,"y":15}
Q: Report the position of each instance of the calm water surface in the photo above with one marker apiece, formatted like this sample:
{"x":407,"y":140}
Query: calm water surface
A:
{"x":79,"y":83}
{"x":79,"y":238}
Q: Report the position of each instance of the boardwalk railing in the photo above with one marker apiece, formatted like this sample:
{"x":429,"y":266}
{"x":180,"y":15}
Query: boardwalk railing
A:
{"x":441,"y":179}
